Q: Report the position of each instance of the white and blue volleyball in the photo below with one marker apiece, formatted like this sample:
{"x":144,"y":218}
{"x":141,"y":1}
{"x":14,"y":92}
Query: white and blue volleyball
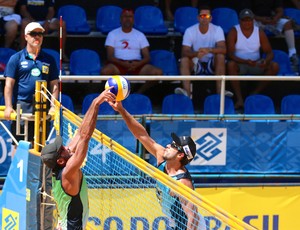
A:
{"x":121,"y":87}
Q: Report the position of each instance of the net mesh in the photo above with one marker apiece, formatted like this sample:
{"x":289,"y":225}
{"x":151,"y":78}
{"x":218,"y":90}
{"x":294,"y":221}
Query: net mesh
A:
{"x":125,"y":192}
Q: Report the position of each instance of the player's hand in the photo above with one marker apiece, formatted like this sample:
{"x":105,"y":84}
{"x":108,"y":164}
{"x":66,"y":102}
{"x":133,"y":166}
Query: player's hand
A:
{"x":116,"y":105}
{"x":107,"y":96}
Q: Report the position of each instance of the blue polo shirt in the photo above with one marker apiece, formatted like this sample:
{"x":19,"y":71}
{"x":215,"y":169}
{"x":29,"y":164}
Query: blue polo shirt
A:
{"x":38,"y":9}
{"x":27,"y":71}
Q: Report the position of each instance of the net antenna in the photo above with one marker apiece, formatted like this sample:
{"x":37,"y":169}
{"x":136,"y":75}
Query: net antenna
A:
{"x":60,"y":55}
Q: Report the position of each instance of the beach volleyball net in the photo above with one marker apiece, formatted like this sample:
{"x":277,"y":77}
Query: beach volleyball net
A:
{"x":125,"y":192}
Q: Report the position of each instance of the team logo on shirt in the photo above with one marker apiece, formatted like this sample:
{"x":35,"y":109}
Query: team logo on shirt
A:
{"x":35,"y":72}
{"x":45,"y":69}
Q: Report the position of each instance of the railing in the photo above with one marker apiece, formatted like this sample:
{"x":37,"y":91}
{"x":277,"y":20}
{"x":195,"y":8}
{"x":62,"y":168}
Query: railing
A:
{"x":223,"y":80}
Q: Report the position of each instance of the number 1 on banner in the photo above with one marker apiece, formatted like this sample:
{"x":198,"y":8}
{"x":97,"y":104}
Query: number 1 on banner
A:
{"x":20,"y":165}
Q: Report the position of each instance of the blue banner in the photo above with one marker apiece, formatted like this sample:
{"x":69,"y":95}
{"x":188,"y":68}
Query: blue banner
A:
{"x":5,"y":149}
{"x":236,"y":147}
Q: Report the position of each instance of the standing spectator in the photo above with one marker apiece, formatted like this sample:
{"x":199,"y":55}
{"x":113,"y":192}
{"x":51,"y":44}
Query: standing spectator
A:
{"x":22,"y":71}
{"x":42,"y":11}
{"x":128,"y":51}
{"x":9,"y":21}
{"x":203,"y":50}
{"x":269,"y":16}
{"x":69,"y":185}
{"x":244,"y":45}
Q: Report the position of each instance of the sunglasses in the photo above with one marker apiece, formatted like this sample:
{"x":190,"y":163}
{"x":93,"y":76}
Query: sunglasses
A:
{"x":33,"y":34}
{"x":174,"y":145}
{"x":207,"y":16}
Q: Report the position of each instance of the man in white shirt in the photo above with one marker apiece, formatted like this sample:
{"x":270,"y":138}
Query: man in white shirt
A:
{"x":128,"y":51}
{"x":203,"y":50}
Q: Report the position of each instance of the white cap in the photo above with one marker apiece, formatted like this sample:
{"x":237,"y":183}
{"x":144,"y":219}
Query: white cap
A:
{"x":32,"y":26}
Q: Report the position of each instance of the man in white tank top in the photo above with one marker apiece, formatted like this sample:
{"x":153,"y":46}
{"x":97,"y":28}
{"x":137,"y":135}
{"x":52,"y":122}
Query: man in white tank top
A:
{"x":203,"y":50}
{"x":244,"y":45}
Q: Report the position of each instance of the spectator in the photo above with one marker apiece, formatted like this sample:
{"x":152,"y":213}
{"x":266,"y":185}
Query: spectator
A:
{"x":269,"y":16}
{"x":43,"y":12}
{"x":22,"y":71}
{"x":170,"y":8}
{"x":203,"y":50}
{"x":128,"y":51}
{"x":9,"y":21}
{"x":296,"y":3}
{"x":244,"y":45}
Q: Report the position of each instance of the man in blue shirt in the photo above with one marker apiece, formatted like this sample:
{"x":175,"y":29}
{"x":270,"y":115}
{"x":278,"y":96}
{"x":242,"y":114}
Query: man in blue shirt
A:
{"x":22,"y":71}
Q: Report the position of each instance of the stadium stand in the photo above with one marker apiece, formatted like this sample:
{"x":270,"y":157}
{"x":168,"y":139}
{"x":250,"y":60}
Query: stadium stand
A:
{"x":108,"y":18}
{"x":185,"y":17}
{"x":290,"y":104}
{"x":165,"y":60}
{"x":138,"y":104}
{"x":259,"y":104}
{"x":212,"y":105}
{"x":177,"y":104}
{"x":225,"y":17}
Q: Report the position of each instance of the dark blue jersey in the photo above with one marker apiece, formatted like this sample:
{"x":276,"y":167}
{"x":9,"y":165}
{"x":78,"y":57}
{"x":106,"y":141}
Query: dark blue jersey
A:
{"x":38,"y":9}
{"x":26,"y":71}
{"x":171,"y":204}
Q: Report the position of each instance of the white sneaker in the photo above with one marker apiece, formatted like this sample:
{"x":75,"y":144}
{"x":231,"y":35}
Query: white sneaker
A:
{"x":228,"y":93}
{"x":179,"y":90}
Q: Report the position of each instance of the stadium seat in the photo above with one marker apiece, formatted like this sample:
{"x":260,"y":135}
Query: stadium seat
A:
{"x":294,"y":14}
{"x":5,"y":54}
{"x":67,"y":102}
{"x":108,"y":18}
{"x":165,"y":60}
{"x":149,"y":20}
{"x":212,"y":105}
{"x":282,"y":58}
{"x":290,"y":104}
{"x":259,"y":104}
{"x":75,"y":18}
{"x":177,"y":104}
{"x":56,"y":56}
{"x":225,"y":17}
{"x":85,"y":62}
{"x":104,"y":109}
{"x":138,"y":104}
{"x":185,"y":17}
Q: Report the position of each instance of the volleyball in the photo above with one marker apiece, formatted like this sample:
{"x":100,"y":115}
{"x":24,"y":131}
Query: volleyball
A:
{"x":121,"y":87}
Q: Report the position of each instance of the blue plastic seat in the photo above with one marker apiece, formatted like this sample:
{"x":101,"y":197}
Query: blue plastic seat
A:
{"x":290,"y":104}
{"x":165,"y":60}
{"x":5,"y":54}
{"x":138,"y":104}
{"x":185,"y":17}
{"x":56,"y":56}
{"x":75,"y":18}
{"x":85,"y":62}
{"x":212,"y":105}
{"x":67,"y":102}
{"x":108,"y":18}
{"x":283,"y":60}
{"x":104,"y":109}
{"x":149,"y":20}
{"x":294,"y":14}
{"x":224,"y":17}
{"x":259,"y":104}
{"x":177,"y":104}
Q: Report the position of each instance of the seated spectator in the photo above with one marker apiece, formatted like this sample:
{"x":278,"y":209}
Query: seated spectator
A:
{"x":43,"y":12}
{"x":203,"y":50}
{"x":128,"y":51}
{"x":244,"y":45}
{"x":296,"y":3}
{"x":269,"y":16}
{"x":170,"y":8}
{"x":9,"y":21}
